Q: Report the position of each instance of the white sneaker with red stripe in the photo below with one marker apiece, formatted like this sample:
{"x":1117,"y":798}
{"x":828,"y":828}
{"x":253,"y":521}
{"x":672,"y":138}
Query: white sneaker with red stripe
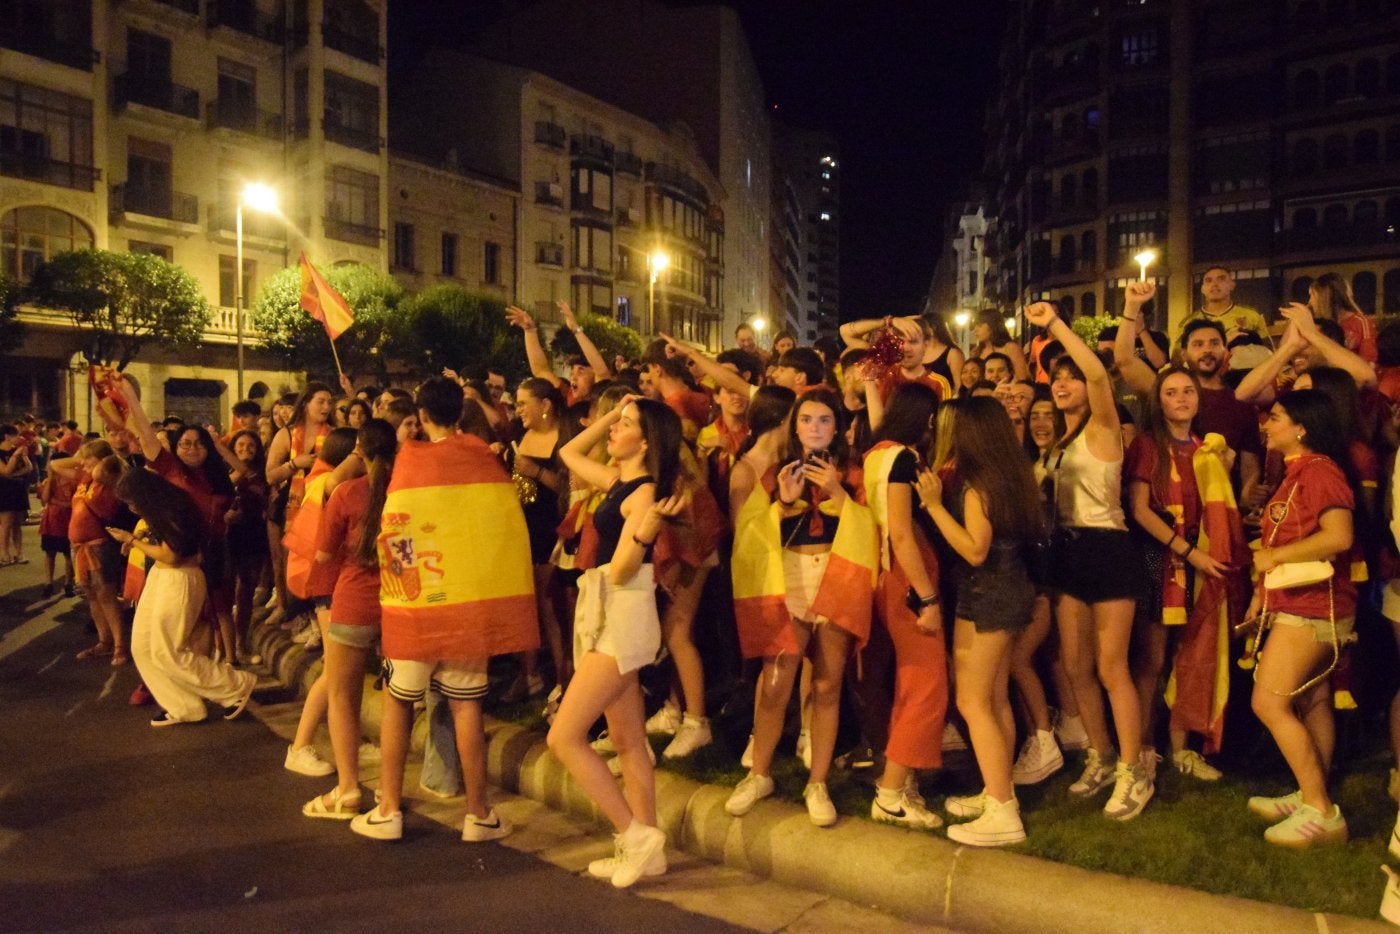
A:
{"x":1307,"y":826}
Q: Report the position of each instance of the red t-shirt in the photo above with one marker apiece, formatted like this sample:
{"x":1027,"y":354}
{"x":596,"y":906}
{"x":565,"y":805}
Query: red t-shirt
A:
{"x":354,"y":588}
{"x":692,"y":407}
{"x":70,"y":443}
{"x":1360,"y":334}
{"x":1237,"y":422}
{"x":95,"y":506}
{"x":1140,"y":463}
{"x":930,"y":379}
{"x":212,"y":505}
{"x":1312,"y":485}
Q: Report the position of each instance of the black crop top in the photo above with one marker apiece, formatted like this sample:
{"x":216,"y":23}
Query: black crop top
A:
{"x":608,"y":519}
{"x":810,"y":527}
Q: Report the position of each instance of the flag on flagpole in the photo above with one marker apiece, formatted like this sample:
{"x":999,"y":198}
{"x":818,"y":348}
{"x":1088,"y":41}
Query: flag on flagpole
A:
{"x":322,"y":302}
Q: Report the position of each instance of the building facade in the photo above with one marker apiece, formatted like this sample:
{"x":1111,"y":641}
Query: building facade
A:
{"x":1256,"y":135}
{"x":806,"y":163}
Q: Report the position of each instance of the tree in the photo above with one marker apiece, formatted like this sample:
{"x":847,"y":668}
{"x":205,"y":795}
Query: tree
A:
{"x":299,"y":338}
{"x":11,"y":331}
{"x":122,"y":301}
{"x":449,"y":326}
{"x":607,"y":335}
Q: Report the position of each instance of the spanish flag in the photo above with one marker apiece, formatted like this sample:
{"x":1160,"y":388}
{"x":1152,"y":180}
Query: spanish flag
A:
{"x":454,"y":556}
{"x":300,"y":539}
{"x":322,"y":302}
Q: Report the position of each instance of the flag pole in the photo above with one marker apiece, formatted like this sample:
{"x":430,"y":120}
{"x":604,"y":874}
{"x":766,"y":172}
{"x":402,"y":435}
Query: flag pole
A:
{"x":339,"y":372}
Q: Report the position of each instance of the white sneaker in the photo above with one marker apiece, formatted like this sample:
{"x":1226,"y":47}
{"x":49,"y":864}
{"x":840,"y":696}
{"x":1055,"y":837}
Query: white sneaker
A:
{"x":615,"y":763}
{"x":368,"y":754}
{"x":1132,"y":789}
{"x":896,"y":807}
{"x":746,"y":760}
{"x":378,"y":826}
{"x":1190,"y":762}
{"x":1149,"y":758}
{"x":1307,"y":826}
{"x":1275,"y":809}
{"x":1095,"y":777}
{"x":307,"y":761}
{"x":966,"y":805}
{"x":1071,"y":734}
{"x":637,"y":849}
{"x":819,"y":806}
{"x":666,"y":720}
{"x":309,"y":637}
{"x":1039,"y":759}
{"x":999,"y":825}
{"x":750,"y":791}
{"x":605,"y":868}
{"x":693,"y":733}
{"x":804,"y":748}
{"x":480,"y":829}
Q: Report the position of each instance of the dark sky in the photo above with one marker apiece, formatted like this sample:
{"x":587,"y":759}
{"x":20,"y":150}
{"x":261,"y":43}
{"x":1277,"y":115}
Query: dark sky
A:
{"x":901,"y":84}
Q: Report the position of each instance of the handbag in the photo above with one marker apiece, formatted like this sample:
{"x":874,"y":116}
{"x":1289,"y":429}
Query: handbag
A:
{"x":1298,"y":574}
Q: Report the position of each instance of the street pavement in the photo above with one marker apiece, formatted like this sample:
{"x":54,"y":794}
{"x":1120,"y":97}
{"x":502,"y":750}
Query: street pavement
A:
{"x":108,"y":824}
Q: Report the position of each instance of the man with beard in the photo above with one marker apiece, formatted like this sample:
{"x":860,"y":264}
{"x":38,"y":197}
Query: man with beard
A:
{"x":1218,"y":305}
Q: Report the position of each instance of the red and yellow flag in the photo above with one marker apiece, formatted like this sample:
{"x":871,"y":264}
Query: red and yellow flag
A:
{"x":456,"y":580}
{"x":321,"y":301}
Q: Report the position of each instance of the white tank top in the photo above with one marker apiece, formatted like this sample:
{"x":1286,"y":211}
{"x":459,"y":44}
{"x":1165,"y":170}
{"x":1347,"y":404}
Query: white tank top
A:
{"x":1088,"y":491}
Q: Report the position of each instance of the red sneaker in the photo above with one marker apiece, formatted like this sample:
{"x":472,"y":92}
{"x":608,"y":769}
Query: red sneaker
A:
{"x":140,"y":697}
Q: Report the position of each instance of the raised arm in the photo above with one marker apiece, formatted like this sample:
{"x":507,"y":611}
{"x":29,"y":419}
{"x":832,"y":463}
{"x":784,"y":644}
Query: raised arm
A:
{"x":574,"y":454}
{"x":857,"y":333}
{"x":1301,"y":317}
{"x":585,"y":343}
{"x":1103,"y":408}
{"x":1134,"y":372}
{"x":1258,"y":384}
{"x":138,"y":422}
{"x":723,"y":376}
{"x":534,"y":350}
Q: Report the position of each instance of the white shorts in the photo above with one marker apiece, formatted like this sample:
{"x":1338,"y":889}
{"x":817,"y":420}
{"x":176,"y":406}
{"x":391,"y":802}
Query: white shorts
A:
{"x":408,"y":680}
{"x":618,"y":621}
{"x":802,"y":575}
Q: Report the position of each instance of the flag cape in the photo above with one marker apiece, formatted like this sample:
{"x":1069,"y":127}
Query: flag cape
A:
{"x":683,"y":546}
{"x":454,"y":556}
{"x":137,"y":564}
{"x":300,"y":540}
{"x":321,"y":301}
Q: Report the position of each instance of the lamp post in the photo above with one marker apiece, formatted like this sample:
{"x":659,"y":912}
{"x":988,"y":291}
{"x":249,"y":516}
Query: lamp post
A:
{"x":759,"y":325}
{"x":1144,"y":259}
{"x":261,"y":198}
{"x":657,"y":261}
{"x":962,"y":319}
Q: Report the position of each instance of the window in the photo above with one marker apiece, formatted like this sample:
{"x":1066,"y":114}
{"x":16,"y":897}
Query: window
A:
{"x":237,"y":103}
{"x":30,"y":236}
{"x":1307,"y":88}
{"x":449,"y":254}
{"x":1335,"y":151}
{"x":1089,"y":248}
{"x":1069,"y":255}
{"x":491,"y":263}
{"x":1140,"y":47}
{"x":1363,"y":289}
{"x":1365,"y":214}
{"x":1129,"y":233}
{"x":147,"y":59}
{"x":352,"y":112}
{"x":1368,"y":77}
{"x":1334,"y":83}
{"x":227,"y":264}
{"x":1066,"y":303}
{"x":154,"y":249}
{"x":46,"y":136}
{"x":403,"y":247}
{"x":352,"y":205}
{"x":352,"y":27}
{"x":1305,"y":157}
{"x":592,"y":189}
{"x":148,"y":178}
{"x":1089,"y":304}
{"x":593,"y":249}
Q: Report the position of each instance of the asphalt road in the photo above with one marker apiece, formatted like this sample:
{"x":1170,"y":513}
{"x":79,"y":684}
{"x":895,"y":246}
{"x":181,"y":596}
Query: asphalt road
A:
{"x":107,"y":824}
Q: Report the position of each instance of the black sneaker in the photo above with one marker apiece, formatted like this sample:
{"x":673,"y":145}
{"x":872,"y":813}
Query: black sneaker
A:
{"x":164,"y":719}
{"x":69,"y":591}
{"x":48,"y":590}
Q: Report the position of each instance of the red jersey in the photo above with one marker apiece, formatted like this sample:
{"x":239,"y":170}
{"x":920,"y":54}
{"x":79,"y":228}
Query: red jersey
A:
{"x":355,"y":587}
{"x":1360,"y":334}
{"x":212,"y":505}
{"x":1312,"y":485}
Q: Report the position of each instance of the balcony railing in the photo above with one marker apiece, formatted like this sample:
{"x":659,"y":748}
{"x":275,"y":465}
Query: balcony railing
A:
{"x":243,"y":16}
{"x":350,"y":232}
{"x":1351,"y":235}
{"x":354,"y":137}
{"x":14,"y":35}
{"x":153,"y":92}
{"x":628,"y":162}
{"x":155,"y":202}
{"x":361,"y":47}
{"x":549,"y":254}
{"x":235,"y":115}
{"x":224,"y":221}
{"x":551,"y":193}
{"x":49,"y":171}
{"x":548,"y":133}
{"x":677,"y":180}
{"x":592,"y":147}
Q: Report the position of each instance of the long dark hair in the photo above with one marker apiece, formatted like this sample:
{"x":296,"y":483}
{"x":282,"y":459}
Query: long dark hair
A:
{"x":937,"y":328}
{"x":259,"y":463}
{"x":378,"y":444}
{"x":768,"y":409}
{"x":1314,"y":410}
{"x":339,"y":444}
{"x":545,"y":391}
{"x":991,"y":462}
{"x":839,"y":449}
{"x":661,"y":428}
{"x":1154,"y":422}
{"x":169,"y":511}
{"x":214,"y":470}
{"x":1000,"y":336}
{"x":307,"y":394}
{"x":909,"y":416}
{"x":1339,"y":387}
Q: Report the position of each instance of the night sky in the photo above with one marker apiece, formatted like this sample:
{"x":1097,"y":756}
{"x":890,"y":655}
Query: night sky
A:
{"x":901,"y":85}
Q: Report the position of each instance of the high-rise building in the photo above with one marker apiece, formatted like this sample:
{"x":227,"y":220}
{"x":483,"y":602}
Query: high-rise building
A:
{"x":1258,"y":135}
{"x":806,"y":163}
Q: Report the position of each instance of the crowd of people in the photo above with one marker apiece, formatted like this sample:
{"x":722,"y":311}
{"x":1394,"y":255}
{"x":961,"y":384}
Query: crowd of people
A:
{"x":1030,"y":550}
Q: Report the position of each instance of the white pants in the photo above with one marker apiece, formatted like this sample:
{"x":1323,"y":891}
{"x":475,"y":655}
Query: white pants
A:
{"x":179,"y":680}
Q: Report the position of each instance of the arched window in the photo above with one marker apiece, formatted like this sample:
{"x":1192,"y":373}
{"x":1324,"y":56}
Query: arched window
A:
{"x":31,"y":236}
{"x":1298,"y":289}
{"x":1305,"y":219}
{"x":1363,"y":289}
{"x":1334,"y":151}
{"x":1334,"y":83}
{"x":1089,"y":304}
{"x":1069,"y":254}
{"x":1089,"y":188}
{"x":1089,"y":247}
{"x":1366,"y":148}
{"x":1368,"y":77}
{"x":1365,"y":214}
{"x":1307,"y":87}
{"x":1066,"y":303}
{"x":1305,"y":156}
{"x":1390,"y":283}
{"x":1334,"y":217}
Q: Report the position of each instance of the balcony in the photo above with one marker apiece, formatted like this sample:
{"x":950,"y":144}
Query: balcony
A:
{"x":242,"y":18}
{"x":549,"y":254}
{"x":678,"y":181}
{"x":354,"y":137}
{"x":1347,"y":237}
{"x":268,"y":230}
{"x":592,"y":148}
{"x":361,"y":47}
{"x":548,"y":133}
{"x":1071,"y":83}
{"x":15,"y":35}
{"x":223,"y":327}
{"x":49,"y":171}
{"x":365,"y":234}
{"x":153,"y":208}
{"x":629,"y":163}
{"x":161,"y":95}
{"x":550,"y":194}
{"x":241,"y":118}
{"x":581,"y":203}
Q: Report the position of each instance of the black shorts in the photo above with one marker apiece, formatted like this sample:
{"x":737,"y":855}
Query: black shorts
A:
{"x":54,"y":544}
{"x":1095,"y":565}
{"x":113,"y":563}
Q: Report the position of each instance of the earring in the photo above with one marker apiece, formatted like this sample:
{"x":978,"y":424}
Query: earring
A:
{"x":1300,"y":436}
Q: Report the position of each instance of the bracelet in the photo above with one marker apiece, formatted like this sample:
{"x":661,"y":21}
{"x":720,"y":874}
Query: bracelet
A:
{"x":930,"y":600}
{"x":642,"y":543}
{"x":785,"y":504}
{"x":1170,"y":541}
{"x":1189,"y":548}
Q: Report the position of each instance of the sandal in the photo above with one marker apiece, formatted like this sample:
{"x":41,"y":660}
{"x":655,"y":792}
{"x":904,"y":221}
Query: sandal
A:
{"x":345,"y":807}
{"x":100,"y":650}
{"x":120,"y":656}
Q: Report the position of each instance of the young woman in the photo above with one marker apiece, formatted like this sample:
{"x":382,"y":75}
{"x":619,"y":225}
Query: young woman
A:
{"x":169,"y":609}
{"x":247,"y":533}
{"x":95,"y":509}
{"x":347,"y":559}
{"x":1172,"y":513}
{"x":290,"y":455}
{"x":1095,"y":567}
{"x":909,"y":578}
{"x":357,"y":412}
{"x":991,"y":336}
{"x":1330,"y":297}
{"x":539,"y":479}
{"x":56,"y":493}
{"x":816,"y":525}
{"x":989,"y":516}
{"x":616,"y":628}
{"x":1308,"y":519}
{"x":970,"y":376}
{"x":15,"y":468}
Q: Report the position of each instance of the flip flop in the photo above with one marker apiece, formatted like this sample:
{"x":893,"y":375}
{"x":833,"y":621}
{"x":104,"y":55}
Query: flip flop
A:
{"x":100,"y":650}
{"x":342,"y":808}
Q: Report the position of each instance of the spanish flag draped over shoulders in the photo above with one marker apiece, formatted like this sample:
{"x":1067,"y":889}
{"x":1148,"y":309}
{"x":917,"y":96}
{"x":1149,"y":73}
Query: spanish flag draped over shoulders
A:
{"x":454,"y":556}
{"x":300,"y":539}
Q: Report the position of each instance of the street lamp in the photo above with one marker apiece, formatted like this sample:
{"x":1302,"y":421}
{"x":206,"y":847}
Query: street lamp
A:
{"x":256,"y":197}
{"x":657,"y":261}
{"x":1144,"y":259}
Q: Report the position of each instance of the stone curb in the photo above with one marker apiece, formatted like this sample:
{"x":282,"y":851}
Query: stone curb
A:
{"x":915,"y":876}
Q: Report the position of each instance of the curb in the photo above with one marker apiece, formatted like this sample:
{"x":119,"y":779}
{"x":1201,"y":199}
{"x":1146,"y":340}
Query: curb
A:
{"x":915,"y":876}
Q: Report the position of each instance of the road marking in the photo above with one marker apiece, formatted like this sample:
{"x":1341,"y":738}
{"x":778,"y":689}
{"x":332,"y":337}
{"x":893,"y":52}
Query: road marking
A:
{"x":56,"y":659}
{"x":107,"y":687}
{"x":23,"y":634}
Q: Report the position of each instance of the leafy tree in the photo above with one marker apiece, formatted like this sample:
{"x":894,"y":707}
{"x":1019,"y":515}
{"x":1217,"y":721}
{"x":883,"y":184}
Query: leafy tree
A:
{"x":286,"y":329}
{"x":122,"y":301}
{"x":11,"y":331}
{"x":1089,"y":326}
{"x":449,"y":326}
{"x":606,"y":334}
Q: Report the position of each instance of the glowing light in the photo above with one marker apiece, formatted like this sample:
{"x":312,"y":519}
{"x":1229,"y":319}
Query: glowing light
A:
{"x":1144,"y":259}
{"x":259,"y":197}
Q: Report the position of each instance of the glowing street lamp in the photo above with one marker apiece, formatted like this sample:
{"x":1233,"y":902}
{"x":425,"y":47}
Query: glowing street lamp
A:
{"x":657,"y":261}
{"x":1144,"y":259}
{"x":256,"y":197}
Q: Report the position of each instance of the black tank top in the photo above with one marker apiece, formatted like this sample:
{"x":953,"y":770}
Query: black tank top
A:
{"x":940,"y":366}
{"x":608,"y":519}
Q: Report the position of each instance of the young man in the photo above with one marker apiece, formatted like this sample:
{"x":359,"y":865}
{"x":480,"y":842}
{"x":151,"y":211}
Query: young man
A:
{"x":800,"y":369}
{"x":997,"y":368}
{"x":245,"y":418}
{"x":69,"y":439}
{"x":1217,"y":287}
{"x":451,"y":599}
{"x":584,"y":371}
{"x":665,"y":379}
